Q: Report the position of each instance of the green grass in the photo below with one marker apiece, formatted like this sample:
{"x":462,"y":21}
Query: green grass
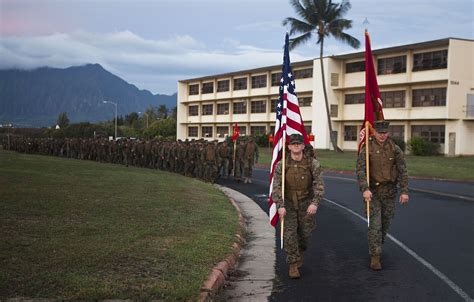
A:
{"x":458,"y":168}
{"x":72,"y":229}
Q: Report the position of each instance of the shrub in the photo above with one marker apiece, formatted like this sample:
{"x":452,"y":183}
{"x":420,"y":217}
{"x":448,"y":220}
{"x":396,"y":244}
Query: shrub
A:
{"x":399,"y":142}
{"x":421,"y":147}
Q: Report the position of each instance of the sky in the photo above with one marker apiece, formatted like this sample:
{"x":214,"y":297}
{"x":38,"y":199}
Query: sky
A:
{"x":155,"y":43}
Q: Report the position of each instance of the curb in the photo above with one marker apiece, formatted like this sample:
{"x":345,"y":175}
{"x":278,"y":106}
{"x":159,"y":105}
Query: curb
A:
{"x":220,"y":272}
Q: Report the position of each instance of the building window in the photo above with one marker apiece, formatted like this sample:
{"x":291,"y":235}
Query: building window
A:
{"x":222,"y":131}
{"x":334,"y":110}
{"x":355,"y":66}
{"x":194,"y":89}
{"x":240,"y":84}
{"x":223,"y":108}
{"x":222,"y":85}
{"x":259,"y":81}
{"x":392,"y":65}
{"x":397,"y":132}
{"x":193,"y":131}
{"x":429,"y":97}
{"x":356,"y":98}
{"x":305,"y":102}
{"x":274,"y":105}
{"x":242,"y":130}
{"x":430,"y":60}
{"x":257,"y":130}
{"x":207,"y":88}
{"x":303,"y":73}
{"x":431,"y":133}
{"x":193,"y":110}
{"x":393,"y":99}
{"x":350,"y":133}
{"x":307,"y":128}
{"x":334,"y":79}
{"x":258,"y":107}
{"x":239,"y":108}
{"x":276,"y":79}
{"x":470,"y":105}
{"x":272,"y":130}
{"x":207,"y":109}
{"x":207,"y":131}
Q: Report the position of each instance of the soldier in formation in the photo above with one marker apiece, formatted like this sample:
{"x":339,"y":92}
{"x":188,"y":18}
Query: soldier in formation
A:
{"x":387,"y":169}
{"x":196,"y":158}
{"x":304,"y":189}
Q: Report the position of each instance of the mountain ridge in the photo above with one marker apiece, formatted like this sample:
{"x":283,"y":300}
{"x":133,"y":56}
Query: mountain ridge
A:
{"x":35,"y":98}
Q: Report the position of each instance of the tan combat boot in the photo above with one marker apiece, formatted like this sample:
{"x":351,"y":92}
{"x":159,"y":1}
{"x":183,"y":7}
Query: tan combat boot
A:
{"x":375,"y":263}
{"x":300,"y":260}
{"x":293,"y":271}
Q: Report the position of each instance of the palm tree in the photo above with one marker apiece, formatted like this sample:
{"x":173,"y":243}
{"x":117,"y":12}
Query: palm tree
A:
{"x":321,"y":18}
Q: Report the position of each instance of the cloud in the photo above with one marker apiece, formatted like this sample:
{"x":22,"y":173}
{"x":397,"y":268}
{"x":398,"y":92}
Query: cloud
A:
{"x":156,"y":65}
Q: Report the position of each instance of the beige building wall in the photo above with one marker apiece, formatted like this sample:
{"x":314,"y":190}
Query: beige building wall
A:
{"x":456,"y":116}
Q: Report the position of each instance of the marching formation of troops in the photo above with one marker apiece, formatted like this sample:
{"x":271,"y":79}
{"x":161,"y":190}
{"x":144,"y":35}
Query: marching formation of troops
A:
{"x":203,"y":159}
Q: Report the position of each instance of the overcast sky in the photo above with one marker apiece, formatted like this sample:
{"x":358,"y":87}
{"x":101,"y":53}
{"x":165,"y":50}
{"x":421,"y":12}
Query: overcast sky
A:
{"x":154,"y":43}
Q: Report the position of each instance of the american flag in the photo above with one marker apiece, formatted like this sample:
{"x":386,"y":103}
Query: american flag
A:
{"x":373,"y":102}
{"x":288,"y":121}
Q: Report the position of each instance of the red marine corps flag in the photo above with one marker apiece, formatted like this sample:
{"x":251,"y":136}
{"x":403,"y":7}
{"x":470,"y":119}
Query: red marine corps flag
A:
{"x":373,"y":102}
{"x":373,"y":110}
{"x":288,"y":121}
{"x":235,"y":134}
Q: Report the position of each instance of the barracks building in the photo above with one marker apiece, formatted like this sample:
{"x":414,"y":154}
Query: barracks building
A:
{"x":427,"y":91}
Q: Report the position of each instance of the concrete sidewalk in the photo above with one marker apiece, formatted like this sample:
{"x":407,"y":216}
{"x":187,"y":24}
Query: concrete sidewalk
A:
{"x":253,"y":277}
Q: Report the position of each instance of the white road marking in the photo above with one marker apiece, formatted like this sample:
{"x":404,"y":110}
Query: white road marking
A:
{"x":428,"y":265}
{"x":413,"y":189}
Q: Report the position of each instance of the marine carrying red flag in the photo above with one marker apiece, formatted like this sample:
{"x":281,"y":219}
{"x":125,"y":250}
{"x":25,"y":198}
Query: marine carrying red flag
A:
{"x":373,"y":102}
{"x":235,"y":134}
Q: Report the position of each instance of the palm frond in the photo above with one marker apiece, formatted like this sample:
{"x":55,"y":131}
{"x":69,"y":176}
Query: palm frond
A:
{"x":298,"y":26}
{"x":346,"y":38}
{"x":344,"y":7}
{"x":295,"y":42}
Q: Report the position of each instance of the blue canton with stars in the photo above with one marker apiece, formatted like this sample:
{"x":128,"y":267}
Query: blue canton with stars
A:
{"x":287,"y":79}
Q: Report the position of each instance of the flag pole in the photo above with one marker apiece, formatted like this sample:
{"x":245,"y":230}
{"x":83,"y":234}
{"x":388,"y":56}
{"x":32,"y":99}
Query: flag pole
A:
{"x":367,"y":202}
{"x":233,"y":157}
{"x":282,"y":222}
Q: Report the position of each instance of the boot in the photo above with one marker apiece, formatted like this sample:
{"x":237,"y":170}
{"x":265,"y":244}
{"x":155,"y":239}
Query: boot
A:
{"x":249,"y":180}
{"x":299,"y":262}
{"x":375,"y":263}
{"x":293,"y":271}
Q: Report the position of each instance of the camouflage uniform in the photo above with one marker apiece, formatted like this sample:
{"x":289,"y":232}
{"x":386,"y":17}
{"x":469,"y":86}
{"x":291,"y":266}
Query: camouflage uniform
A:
{"x":303,"y":186}
{"x":387,"y":169}
{"x":250,"y":157}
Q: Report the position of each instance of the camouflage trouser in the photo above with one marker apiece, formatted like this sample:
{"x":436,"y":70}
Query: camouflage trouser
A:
{"x":248,"y":168}
{"x":238,"y":168}
{"x":210,"y":171}
{"x":223,"y":167}
{"x":382,"y":210}
{"x":297,"y":230}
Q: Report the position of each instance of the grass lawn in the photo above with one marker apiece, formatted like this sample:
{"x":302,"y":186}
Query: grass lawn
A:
{"x":459,"y":168}
{"x":72,"y":229}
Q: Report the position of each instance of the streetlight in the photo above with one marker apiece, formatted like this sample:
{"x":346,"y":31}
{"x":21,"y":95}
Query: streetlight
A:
{"x":115,"y":104}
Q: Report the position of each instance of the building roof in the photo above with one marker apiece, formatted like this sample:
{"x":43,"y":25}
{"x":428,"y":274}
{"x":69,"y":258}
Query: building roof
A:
{"x":354,"y":55}
{"x":413,"y":46}
{"x":273,"y":68}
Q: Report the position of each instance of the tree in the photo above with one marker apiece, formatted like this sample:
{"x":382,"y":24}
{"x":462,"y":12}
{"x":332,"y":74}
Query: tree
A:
{"x":321,"y":18}
{"x":162,"y":112}
{"x":174,"y":113}
{"x":161,"y":128}
{"x":63,"y":120}
{"x":131,"y":118}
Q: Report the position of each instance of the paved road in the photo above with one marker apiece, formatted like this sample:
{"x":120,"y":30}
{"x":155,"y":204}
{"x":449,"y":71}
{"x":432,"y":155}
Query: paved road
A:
{"x":429,"y":256}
